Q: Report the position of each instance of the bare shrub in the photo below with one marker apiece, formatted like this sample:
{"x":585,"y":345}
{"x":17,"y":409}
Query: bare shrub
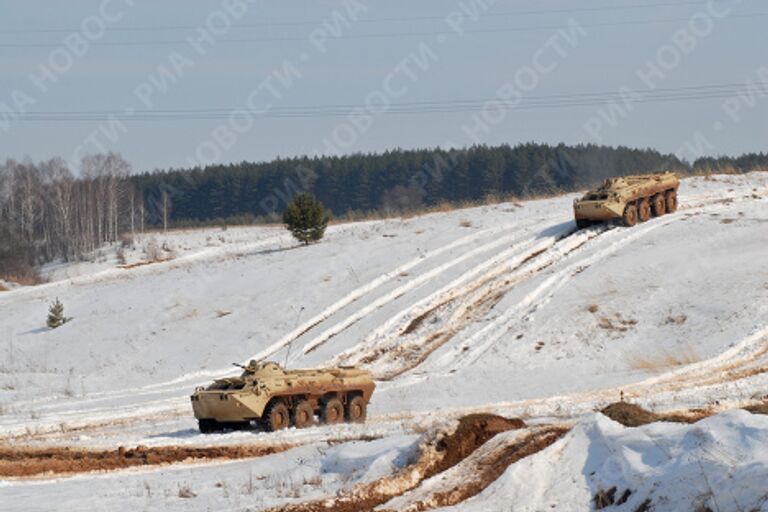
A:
{"x":120,"y":254}
{"x":676,"y":319}
{"x":465,"y":223}
{"x":126,"y":241}
{"x":186,"y":492}
{"x":593,"y":308}
{"x":152,"y":251}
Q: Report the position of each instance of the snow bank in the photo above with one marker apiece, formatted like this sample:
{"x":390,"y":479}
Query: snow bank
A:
{"x":314,"y":471}
{"x":372,"y":459}
{"x":720,"y":462}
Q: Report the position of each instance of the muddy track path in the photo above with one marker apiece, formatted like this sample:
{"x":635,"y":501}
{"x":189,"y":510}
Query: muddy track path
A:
{"x":26,"y":462}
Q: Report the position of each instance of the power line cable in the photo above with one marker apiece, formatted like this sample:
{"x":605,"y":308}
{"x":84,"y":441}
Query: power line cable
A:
{"x":606,"y":8}
{"x":689,"y":93}
{"x":391,"y":35}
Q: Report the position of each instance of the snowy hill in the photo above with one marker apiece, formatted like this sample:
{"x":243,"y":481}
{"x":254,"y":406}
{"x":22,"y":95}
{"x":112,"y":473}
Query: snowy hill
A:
{"x":504,"y":309}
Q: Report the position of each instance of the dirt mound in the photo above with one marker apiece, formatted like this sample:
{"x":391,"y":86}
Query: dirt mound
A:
{"x":21,"y":462}
{"x":629,"y":415}
{"x":473,"y":432}
{"x":438,"y":454}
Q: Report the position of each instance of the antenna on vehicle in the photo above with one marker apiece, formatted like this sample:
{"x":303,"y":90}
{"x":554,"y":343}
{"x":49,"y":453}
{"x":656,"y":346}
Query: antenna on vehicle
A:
{"x":288,"y":352}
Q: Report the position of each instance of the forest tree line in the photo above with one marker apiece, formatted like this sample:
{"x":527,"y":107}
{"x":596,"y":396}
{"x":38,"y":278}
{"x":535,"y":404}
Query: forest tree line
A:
{"x":48,"y":211}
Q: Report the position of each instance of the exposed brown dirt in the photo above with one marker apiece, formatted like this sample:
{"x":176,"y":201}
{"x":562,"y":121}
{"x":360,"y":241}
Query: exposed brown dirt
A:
{"x":437,"y":455}
{"x":143,"y":263}
{"x":417,"y":321}
{"x":631,"y":415}
{"x":24,"y":462}
{"x":493,"y":467}
{"x":473,"y":432}
{"x":761,"y":408}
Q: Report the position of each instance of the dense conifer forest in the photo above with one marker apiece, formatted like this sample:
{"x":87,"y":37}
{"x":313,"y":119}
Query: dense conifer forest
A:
{"x":49,"y":211}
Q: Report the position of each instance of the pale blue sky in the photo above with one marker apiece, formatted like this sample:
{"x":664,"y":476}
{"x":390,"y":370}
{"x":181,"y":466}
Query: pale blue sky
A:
{"x":721,"y":42}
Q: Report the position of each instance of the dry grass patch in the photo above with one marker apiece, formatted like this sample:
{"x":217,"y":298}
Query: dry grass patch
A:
{"x":665,"y":359}
{"x":25,"y":278}
{"x":617,"y":323}
{"x":676,"y":319}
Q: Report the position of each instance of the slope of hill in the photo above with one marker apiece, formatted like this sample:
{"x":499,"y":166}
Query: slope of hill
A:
{"x":505,"y":309}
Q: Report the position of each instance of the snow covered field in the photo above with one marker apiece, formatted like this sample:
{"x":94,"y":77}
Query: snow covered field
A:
{"x":504,"y":309}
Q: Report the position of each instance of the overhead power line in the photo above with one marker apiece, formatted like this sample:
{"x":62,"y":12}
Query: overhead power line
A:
{"x":394,"y":35}
{"x":271,"y":23}
{"x":690,"y":93}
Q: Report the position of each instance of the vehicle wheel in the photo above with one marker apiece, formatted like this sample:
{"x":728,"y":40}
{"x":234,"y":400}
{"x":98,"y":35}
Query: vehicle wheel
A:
{"x":333,"y":411}
{"x":303,"y":415}
{"x":357,"y":410}
{"x":643,"y":210}
{"x":276,"y":416}
{"x":659,"y":205}
{"x":208,"y":426}
{"x":671,"y":197}
{"x":583,"y":223}
{"x":630,"y":215}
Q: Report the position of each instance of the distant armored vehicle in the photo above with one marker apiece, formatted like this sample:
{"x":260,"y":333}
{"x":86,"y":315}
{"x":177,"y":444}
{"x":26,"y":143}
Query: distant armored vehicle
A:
{"x":632,"y":199}
{"x":277,"y":398}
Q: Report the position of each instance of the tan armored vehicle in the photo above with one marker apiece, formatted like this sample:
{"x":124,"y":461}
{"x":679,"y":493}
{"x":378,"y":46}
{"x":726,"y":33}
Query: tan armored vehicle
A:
{"x":277,"y":398}
{"x":632,"y":199}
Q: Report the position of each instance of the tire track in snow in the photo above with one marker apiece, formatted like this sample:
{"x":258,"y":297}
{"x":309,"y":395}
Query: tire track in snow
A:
{"x":389,"y":355}
{"x":479,"y":343}
{"x":474,"y":348}
{"x":366,"y":289}
{"x":387,"y":334}
{"x":403,"y":289}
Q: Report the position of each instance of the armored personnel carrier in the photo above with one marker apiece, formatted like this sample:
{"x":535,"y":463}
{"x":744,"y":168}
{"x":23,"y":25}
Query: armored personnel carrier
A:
{"x":277,"y":398}
{"x":631,"y":199}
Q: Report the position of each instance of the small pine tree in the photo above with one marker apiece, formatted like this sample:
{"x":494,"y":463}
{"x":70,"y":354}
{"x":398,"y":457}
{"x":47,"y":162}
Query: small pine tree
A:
{"x":305,"y":218}
{"x":56,"y":316}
